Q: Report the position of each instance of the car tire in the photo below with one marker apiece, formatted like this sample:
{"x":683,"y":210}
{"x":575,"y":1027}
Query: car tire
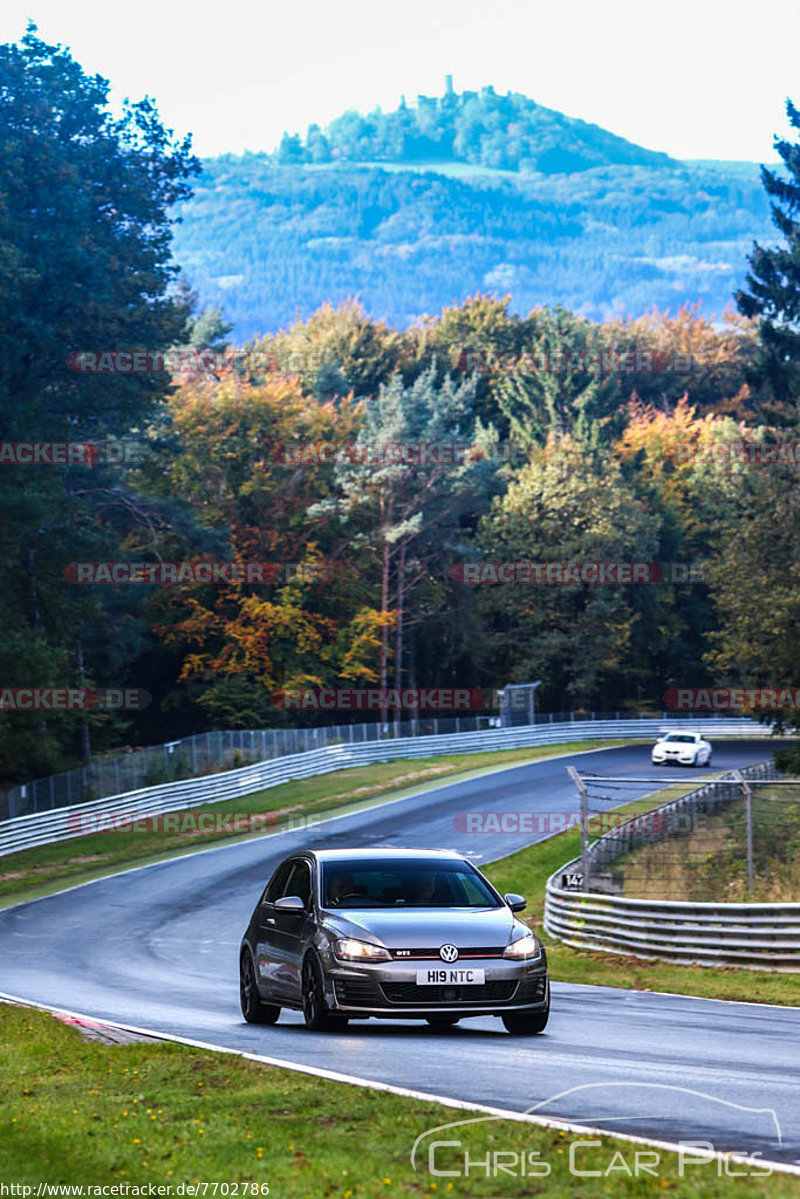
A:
{"x":442,"y":1023}
{"x":316,"y":1013}
{"x":524,"y":1024}
{"x":253,"y":1009}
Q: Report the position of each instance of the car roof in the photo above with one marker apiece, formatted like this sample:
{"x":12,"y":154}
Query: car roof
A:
{"x":388,"y":851}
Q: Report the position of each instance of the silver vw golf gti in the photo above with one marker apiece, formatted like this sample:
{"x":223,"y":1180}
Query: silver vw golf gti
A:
{"x":349,"y":934}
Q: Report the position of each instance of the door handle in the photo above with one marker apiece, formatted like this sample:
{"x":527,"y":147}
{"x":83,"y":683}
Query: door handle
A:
{"x":270,"y":919}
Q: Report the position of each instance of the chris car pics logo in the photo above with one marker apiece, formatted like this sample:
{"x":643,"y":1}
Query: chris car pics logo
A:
{"x":449,"y":1150}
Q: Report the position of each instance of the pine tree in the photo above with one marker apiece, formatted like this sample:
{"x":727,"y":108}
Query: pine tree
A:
{"x":773,"y":283}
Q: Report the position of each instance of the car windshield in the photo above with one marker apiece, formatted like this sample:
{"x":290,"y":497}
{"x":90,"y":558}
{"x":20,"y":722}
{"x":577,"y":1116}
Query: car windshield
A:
{"x":404,"y":884}
{"x":681,"y":737}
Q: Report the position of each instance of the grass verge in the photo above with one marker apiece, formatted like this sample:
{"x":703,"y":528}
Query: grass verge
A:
{"x":32,"y":873}
{"x":84,"y":1113}
{"x":527,"y":872}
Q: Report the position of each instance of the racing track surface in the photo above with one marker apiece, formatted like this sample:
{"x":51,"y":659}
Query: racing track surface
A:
{"x":158,"y":947}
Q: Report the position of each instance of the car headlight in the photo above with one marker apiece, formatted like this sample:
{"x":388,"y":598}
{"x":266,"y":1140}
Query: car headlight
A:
{"x":525,"y":946}
{"x":350,"y":950}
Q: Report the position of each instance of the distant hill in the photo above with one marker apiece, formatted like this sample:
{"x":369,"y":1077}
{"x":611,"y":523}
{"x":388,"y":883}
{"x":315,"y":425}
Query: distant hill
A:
{"x":510,"y":132}
{"x":270,"y":238}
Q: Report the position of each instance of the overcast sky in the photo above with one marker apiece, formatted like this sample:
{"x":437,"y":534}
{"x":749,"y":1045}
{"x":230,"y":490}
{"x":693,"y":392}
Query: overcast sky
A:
{"x":694,"y":78}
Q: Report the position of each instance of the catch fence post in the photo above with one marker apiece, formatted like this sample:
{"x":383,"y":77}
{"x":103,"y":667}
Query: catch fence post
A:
{"x":748,"y":810}
{"x":579,"y":783}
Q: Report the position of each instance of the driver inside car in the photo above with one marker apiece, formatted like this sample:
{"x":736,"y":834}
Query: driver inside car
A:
{"x":421,"y":888}
{"x":340,"y":885}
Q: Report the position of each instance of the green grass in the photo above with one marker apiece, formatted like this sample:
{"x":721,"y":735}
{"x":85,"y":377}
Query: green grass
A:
{"x":84,"y":1113}
{"x":527,"y":872}
{"x":32,"y":873}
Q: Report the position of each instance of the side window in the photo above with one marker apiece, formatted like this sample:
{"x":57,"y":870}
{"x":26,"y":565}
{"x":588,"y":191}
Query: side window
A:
{"x":300,"y":882}
{"x":276,"y":884}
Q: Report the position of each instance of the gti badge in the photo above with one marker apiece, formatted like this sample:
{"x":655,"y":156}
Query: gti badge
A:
{"x":448,"y":953}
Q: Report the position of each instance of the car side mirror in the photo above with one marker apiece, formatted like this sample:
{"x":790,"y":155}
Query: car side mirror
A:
{"x":290,"y":903}
{"x":516,"y":902}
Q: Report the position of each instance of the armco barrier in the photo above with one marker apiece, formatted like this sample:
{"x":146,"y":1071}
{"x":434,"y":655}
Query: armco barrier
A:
{"x":756,"y":936}
{"x":41,"y":828}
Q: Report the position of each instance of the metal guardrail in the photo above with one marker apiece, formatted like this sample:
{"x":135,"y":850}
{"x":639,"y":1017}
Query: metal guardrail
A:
{"x":216,"y":751}
{"x":759,"y":936}
{"x":42,"y":828}
{"x":754,"y":936}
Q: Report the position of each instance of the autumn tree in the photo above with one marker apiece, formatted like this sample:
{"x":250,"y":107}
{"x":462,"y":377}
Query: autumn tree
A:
{"x":577,"y":637}
{"x":337,"y":351}
{"x":252,"y":461}
{"x":687,"y":356}
{"x":755,"y":587}
{"x":690,"y":472}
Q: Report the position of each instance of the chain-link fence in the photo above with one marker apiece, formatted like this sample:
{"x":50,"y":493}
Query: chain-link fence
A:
{"x":732,"y":840}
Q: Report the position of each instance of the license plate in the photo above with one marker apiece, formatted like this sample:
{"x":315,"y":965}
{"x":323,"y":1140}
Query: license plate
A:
{"x":458,"y":976}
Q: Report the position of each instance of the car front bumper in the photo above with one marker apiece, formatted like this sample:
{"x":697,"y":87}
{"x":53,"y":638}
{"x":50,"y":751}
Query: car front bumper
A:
{"x":389,"y":989}
{"x":673,"y":759}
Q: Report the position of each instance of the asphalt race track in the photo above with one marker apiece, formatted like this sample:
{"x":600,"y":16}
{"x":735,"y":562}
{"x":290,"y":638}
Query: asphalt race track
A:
{"x":157,"y":947}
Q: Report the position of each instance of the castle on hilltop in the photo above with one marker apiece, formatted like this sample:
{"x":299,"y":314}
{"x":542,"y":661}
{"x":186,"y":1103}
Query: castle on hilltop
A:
{"x":450,"y":99}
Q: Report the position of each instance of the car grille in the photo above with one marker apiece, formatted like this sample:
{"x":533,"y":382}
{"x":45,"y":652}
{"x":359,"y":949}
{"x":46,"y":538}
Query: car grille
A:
{"x":491,"y":951}
{"x":410,"y":995}
{"x":356,"y":992}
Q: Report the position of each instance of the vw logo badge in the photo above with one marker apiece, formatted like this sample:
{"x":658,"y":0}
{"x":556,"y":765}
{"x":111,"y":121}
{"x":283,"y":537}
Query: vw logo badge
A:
{"x":448,"y":953}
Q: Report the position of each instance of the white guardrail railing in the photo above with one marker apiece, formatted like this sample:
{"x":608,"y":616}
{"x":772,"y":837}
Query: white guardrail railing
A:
{"x":61,"y":824}
{"x":754,"y":936}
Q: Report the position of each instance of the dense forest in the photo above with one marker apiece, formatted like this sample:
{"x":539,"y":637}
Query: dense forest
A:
{"x":413,"y":210}
{"x":567,"y":460}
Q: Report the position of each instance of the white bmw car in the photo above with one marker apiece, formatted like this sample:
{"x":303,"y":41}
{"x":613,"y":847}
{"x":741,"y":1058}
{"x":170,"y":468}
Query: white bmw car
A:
{"x":681,"y":749}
